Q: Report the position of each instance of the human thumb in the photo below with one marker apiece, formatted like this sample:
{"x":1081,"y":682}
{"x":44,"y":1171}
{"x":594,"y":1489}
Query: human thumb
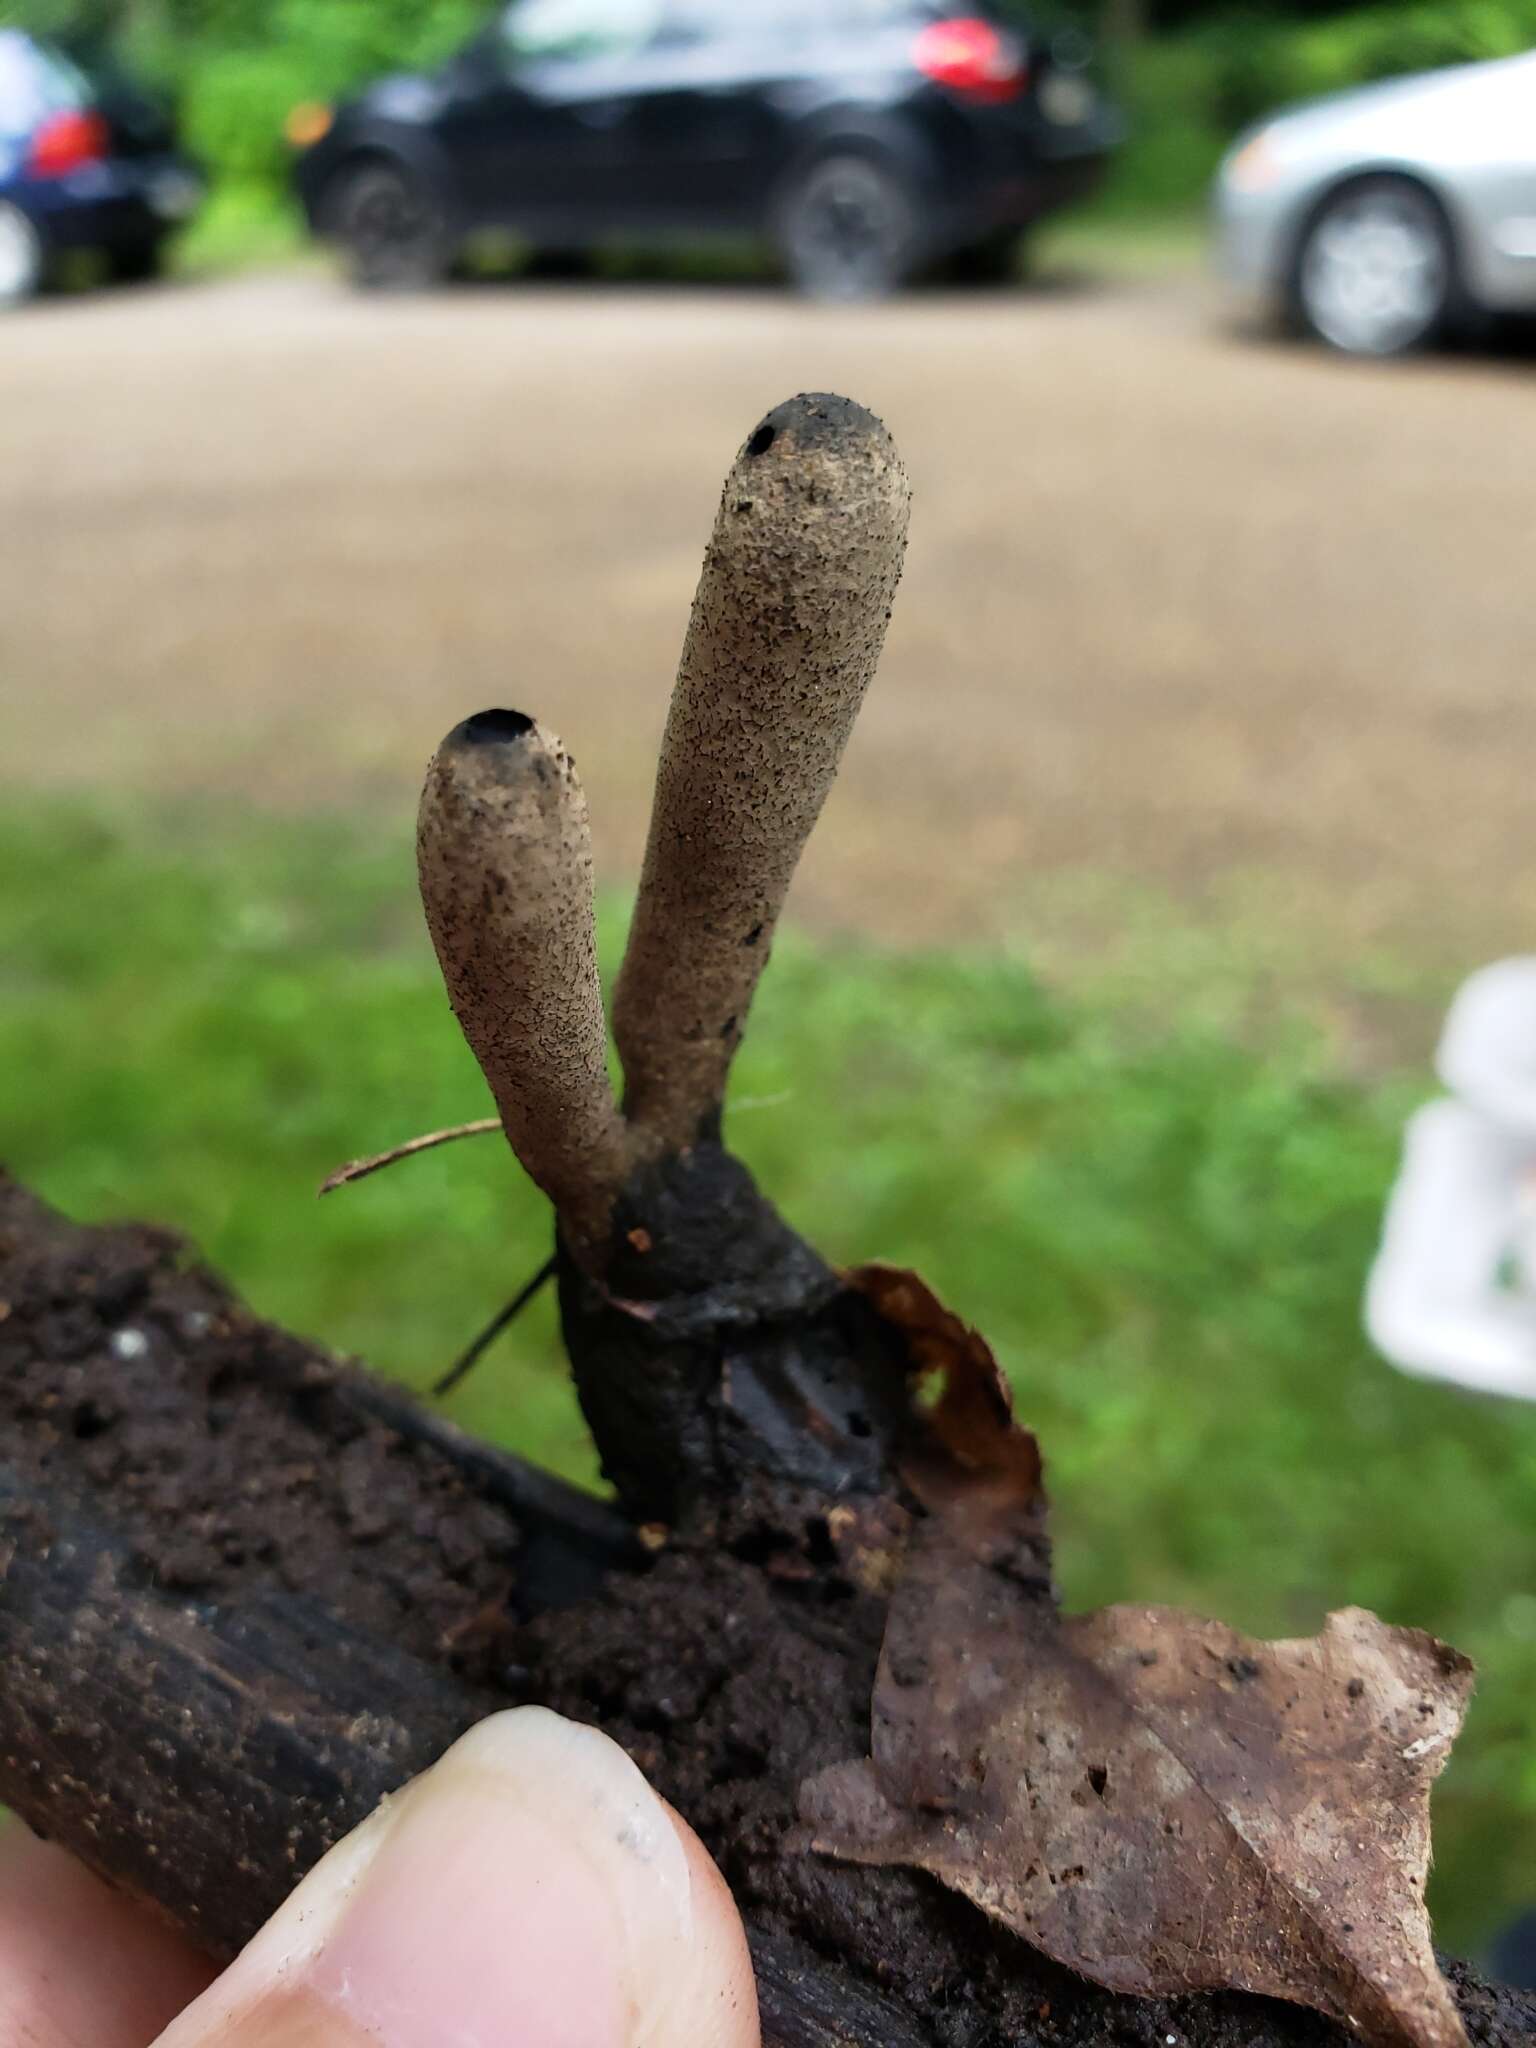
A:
{"x":529,"y":1891}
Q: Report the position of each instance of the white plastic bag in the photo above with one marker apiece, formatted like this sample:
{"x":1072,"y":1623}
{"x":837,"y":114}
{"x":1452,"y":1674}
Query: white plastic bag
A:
{"x":1452,"y":1293}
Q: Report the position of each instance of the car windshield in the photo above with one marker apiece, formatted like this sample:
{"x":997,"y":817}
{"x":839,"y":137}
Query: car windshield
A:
{"x":535,"y":31}
{"x":34,"y":82}
{"x":20,"y":92}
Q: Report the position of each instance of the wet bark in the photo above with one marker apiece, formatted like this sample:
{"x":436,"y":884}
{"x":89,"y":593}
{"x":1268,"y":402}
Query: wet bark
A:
{"x":246,"y":1589}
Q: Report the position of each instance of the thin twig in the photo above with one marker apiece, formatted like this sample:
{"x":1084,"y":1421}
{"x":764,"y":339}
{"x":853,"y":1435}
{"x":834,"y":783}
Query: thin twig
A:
{"x":466,"y":1362}
{"x":359,"y":1169}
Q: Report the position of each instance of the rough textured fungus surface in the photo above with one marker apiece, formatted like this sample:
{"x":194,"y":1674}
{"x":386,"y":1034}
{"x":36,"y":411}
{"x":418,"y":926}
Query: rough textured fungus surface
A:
{"x":787,"y":627}
{"x":504,"y":854}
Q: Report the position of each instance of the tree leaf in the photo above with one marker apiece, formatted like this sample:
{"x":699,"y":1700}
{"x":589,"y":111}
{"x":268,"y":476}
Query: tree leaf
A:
{"x":1152,"y":1799}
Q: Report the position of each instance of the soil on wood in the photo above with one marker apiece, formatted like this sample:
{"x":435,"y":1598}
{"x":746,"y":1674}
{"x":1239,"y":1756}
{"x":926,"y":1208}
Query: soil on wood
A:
{"x":239,"y":1465}
{"x":103,"y":1334}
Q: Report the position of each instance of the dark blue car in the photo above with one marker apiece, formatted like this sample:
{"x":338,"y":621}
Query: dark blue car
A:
{"x":86,"y":162}
{"x":865,"y":139}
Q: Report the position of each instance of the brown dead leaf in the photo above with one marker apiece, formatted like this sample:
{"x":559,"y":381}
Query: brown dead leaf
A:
{"x":1152,"y":1799}
{"x":968,"y":1457}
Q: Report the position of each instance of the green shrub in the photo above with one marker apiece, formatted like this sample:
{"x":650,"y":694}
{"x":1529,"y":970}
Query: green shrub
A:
{"x":236,"y":96}
{"x":1172,"y":94}
{"x":1387,"y":42}
{"x":233,"y":111}
{"x":236,"y":68}
{"x":1188,"y":94}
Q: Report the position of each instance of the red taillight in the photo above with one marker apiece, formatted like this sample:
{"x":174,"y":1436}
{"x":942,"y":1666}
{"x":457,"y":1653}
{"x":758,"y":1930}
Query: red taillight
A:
{"x":65,"y":142}
{"x":970,"y":56}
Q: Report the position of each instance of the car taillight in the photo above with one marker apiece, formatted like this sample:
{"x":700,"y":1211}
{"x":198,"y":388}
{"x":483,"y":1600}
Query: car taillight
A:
{"x":971,"y":57}
{"x":308,"y":124}
{"x":66,"y":141}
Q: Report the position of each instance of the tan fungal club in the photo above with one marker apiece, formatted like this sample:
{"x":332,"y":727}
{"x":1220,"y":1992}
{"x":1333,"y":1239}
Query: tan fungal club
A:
{"x":505,"y":861}
{"x":787,"y":627}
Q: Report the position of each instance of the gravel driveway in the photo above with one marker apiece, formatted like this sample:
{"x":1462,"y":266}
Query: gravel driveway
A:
{"x":1210,"y":614}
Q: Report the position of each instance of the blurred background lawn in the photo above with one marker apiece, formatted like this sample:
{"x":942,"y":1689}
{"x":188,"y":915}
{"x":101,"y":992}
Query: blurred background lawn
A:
{"x":1157,"y":1197}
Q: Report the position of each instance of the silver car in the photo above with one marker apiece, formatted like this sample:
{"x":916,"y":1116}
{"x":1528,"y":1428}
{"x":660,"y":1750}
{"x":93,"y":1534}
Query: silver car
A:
{"x":1380,"y":218}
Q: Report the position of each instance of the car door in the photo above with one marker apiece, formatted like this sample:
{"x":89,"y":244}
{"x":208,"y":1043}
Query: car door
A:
{"x":535,"y":127}
{"x":1495,"y":181}
{"x":697,"y":136}
{"x":20,"y":102}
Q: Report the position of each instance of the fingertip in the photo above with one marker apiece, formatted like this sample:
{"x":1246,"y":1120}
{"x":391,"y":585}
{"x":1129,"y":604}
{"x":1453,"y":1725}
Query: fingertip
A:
{"x":719,"y":2006}
{"x":81,"y":1963}
{"x":530,"y":1888}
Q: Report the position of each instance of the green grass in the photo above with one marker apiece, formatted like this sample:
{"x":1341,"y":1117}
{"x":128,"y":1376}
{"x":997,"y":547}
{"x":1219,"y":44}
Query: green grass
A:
{"x":1103,"y":241}
{"x":1162,"y":1228}
{"x":240,"y":227}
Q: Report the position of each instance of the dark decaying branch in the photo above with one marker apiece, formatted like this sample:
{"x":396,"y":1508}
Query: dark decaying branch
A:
{"x":199,"y":1711}
{"x":194,"y":1722}
{"x":199,"y":1716}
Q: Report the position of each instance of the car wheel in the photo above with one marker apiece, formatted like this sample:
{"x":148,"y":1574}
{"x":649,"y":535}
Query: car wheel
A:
{"x":846,"y":229}
{"x":138,"y":262}
{"x":389,"y":226}
{"x":21,"y":256}
{"x":1375,"y":272}
{"x":557,"y":265}
{"x":997,"y":260}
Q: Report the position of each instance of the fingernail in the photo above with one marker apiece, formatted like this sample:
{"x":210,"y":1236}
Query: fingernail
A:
{"x":524,"y":1893}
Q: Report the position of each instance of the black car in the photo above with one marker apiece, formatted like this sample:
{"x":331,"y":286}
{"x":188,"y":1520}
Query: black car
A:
{"x":87,"y":161}
{"x":868,"y":139}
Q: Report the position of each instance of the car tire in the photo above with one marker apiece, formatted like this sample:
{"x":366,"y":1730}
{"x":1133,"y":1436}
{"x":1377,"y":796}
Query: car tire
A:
{"x":998,"y":259}
{"x":389,"y":227}
{"x":21,"y":256}
{"x":846,"y":229}
{"x":138,"y":262}
{"x":556,"y":266}
{"x":1375,"y":271}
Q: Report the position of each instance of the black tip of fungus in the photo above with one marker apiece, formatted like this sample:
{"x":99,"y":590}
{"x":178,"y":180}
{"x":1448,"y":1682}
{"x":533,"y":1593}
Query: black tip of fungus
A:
{"x":488,"y":727}
{"x":822,"y":420}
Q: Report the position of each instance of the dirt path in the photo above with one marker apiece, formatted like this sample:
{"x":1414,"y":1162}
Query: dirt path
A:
{"x":1180,"y":608}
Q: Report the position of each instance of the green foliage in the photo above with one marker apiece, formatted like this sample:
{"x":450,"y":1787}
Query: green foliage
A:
{"x":1390,"y":42}
{"x":237,"y":68}
{"x":89,"y":20}
{"x":1190,"y":93}
{"x":241,"y":226}
{"x":233,"y":111}
{"x":1172,"y":91}
{"x":1162,"y":1228}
